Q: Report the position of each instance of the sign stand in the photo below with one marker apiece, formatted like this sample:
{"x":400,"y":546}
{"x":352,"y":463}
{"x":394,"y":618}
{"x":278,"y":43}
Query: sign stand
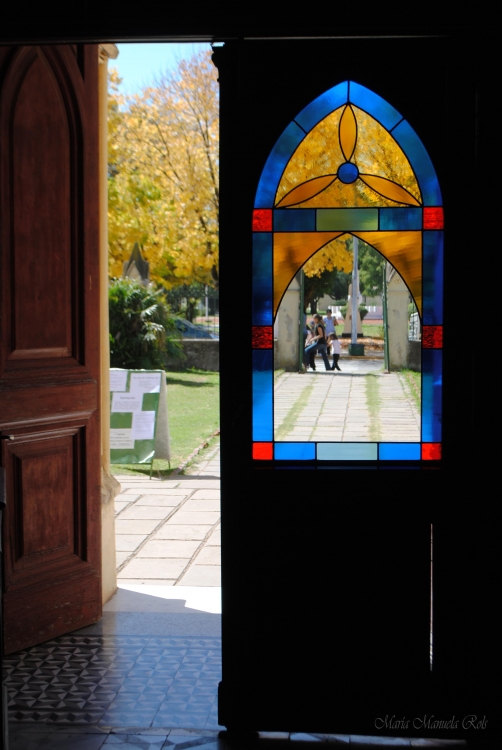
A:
{"x":139,"y":428}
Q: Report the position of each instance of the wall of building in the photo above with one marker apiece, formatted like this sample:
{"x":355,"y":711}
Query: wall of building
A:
{"x":286,"y":330}
{"x":414,"y":359}
{"x":398,"y":298}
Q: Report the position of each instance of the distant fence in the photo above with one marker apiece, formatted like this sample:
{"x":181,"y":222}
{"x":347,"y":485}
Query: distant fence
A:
{"x":414,"y":330}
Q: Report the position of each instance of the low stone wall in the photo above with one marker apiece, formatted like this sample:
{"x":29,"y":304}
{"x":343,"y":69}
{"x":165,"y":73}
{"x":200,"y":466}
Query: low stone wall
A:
{"x":414,"y":358}
{"x":203,"y":354}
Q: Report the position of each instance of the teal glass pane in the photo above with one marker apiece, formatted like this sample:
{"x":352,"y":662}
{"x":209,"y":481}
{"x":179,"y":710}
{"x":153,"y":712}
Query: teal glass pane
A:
{"x":322,"y":106}
{"x":262,"y":279}
{"x":294,"y":451}
{"x":401,"y":218}
{"x":263,"y":362}
{"x":432,"y":283}
{"x":347,"y":451}
{"x":421,"y":163}
{"x":399,"y":451}
{"x":276,"y":162}
{"x":432,"y":382}
{"x":374,"y":105}
{"x":346,"y":219}
{"x":294,"y":220}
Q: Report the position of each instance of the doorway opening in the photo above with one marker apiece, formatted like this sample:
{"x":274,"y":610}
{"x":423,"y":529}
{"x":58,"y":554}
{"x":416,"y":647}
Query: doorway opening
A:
{"x":162,"y":173}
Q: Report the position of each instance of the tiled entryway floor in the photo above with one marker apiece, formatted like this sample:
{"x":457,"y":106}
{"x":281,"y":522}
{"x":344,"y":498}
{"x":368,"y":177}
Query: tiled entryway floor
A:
{"x":146,"y":676}
{"x":116,"y":681}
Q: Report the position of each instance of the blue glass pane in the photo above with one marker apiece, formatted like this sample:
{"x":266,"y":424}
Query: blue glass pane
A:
{"x":432,"y":278}
{"x":294,"y":451}
{"x":347,"y":451}
{"x":374,"y":105}
{"x":348,"y":173}
{"x":421,"y":163}
{"x":262,"y":279}
{"x":432,"y":381}
{"x":294,"y":220}
{"x":401,"y":218}
{"x":347,"y":219}
{"x":279,"y":157}
{"x":322,"y":106}
{"x":399,"y":451}
{"x":262,"y":394}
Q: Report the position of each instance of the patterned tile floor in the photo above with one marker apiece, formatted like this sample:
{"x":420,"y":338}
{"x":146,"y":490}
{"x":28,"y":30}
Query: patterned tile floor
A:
{"x":116,"y":681}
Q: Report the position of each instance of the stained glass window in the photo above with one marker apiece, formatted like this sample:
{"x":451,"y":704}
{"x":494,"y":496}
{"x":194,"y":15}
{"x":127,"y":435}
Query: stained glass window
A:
{"x":348,"y":164}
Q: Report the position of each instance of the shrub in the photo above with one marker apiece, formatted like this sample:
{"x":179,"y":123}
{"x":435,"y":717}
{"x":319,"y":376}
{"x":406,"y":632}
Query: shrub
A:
{"x":142,"y":331}
{"x":362,"y":311}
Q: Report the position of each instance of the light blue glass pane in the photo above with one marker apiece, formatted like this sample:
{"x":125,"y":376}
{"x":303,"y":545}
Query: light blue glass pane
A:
{"x":262,"y":394}
{"x":294,"y":220}
{"x":294,"y":451}
{"x":322,"y":106}
{"x":347,"y":451}
{"x":433,"y":242}
{"x":273,"y":169}
{"x":399,"y":451}
{"x":374,"y":105}
{"x":401,"y":218}
{"x":421,"y":163}
{"x":347,"y":219}
{"x":432,"y":381}
{"x":262,"y":279}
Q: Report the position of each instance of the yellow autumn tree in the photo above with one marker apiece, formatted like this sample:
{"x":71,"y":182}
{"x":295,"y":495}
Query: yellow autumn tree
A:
{"x":163,"y":174}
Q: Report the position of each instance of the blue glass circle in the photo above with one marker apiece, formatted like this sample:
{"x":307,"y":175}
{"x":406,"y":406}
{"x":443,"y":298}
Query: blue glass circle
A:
{"x":348,"y":173}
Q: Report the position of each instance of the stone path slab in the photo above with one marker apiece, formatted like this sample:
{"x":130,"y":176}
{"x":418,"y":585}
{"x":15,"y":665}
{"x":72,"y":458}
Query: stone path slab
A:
{"x":167,"y":531}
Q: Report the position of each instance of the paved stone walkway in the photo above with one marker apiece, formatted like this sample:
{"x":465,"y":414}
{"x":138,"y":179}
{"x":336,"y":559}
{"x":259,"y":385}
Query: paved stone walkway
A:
{"x":168,"y":531}
{"x":361,"y":403}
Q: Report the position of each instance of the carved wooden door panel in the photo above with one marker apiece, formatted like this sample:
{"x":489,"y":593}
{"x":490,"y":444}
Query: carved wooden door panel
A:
{"x":50,"y":340}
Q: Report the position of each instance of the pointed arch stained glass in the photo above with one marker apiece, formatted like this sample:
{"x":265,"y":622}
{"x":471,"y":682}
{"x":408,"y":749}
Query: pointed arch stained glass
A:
{"x":349,"y":164}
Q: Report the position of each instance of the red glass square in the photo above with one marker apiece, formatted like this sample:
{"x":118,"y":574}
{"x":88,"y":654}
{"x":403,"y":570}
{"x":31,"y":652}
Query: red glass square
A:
{"x":433,"y":217}
{"x":262,"y":220}
{"x":263,"y":337}
{"x":263,"y":451}
{"x":432,"y":337}
{"x":431,"y":451}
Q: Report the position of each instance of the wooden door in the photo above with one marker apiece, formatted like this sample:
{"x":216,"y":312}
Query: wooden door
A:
{"x":49,"y":392}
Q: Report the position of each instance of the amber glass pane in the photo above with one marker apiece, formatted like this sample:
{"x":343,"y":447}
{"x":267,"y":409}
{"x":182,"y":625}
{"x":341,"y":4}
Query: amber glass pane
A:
{"x":377,"y":153}
{"x":348,"y":132}
{"x":319,"y":154}
{"x":306,"y":190}
{"x":389,"y":189}
{"x":291,"y":250}
{"x":336,"y":254}
{"x":404,"y":251}
{"x":356,"y":195}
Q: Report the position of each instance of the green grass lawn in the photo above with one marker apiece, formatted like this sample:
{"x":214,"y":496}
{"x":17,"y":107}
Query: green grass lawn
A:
{"x":193,"y":406}
{"x":370,"y":331}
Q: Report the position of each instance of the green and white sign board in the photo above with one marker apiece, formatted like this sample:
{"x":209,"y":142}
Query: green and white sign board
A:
{"x":139,"y":430}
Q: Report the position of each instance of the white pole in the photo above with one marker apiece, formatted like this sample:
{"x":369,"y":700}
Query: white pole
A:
{"x":355,"y":289}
